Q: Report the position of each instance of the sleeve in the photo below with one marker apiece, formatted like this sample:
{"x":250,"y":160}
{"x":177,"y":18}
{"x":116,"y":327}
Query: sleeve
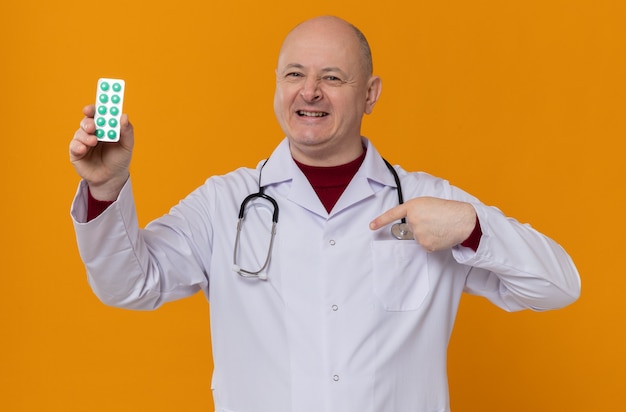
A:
{"x":516,"y":267}
{"x":137,"y":268}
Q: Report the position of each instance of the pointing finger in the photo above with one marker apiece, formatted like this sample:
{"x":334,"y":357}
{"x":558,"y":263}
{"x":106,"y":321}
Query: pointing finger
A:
{"x":389,"y":216}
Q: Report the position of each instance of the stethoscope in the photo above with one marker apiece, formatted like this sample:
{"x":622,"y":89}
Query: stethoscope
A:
{"x":400,"y":230}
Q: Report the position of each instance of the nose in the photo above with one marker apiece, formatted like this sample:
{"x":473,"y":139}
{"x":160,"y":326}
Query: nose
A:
{"x":310,"y":90}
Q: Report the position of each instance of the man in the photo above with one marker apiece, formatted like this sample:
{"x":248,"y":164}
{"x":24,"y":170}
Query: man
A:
{"x":333,"y":313}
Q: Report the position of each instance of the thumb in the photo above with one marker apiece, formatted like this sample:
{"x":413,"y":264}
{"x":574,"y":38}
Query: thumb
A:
{"x":391,"y":215}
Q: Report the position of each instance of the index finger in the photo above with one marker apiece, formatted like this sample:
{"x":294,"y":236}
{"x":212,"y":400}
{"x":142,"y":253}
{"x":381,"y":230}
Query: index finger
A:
{"x":391,"y":215}
{"x":89,"y":110}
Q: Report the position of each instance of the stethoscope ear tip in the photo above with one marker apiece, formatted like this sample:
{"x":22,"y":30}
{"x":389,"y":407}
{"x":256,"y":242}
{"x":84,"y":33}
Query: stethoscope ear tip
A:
{"x":236,"y":268}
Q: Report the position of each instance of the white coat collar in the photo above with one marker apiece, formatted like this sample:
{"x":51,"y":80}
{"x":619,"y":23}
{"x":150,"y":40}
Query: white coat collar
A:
{"x":281,"y":168}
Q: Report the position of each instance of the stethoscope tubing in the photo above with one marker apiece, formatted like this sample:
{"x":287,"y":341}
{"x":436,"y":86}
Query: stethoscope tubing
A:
{"x":399,"y":230}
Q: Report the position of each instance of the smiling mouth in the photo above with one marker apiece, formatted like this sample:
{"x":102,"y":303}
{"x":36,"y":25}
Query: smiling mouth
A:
{"x":304,"y":113}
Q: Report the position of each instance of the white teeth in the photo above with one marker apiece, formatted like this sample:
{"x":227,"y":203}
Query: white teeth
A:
{"x":311,"y":114}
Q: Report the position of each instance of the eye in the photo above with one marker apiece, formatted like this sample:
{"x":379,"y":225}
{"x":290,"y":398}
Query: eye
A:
{"x":293,"y":74}
{"x":333,"y":79}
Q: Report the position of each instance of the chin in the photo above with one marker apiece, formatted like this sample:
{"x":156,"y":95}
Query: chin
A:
{"x":308,"y":140}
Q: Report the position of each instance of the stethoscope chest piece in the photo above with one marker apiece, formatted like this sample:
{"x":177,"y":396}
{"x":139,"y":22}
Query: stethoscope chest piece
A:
{"x":401,"y":231}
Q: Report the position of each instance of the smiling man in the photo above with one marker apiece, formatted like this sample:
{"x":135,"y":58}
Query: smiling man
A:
{"x":331,"y":304}
{"x":324,"y":85}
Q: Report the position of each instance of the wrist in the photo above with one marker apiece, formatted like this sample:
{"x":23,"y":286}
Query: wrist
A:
{"x":473,"y":240}
{"x":107,"y":191}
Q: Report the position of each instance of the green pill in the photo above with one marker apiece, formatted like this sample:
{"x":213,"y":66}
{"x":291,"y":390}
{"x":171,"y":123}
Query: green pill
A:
{"x":117,"y":87}
{"x":111,"y":135}
{"x":115,"y":111}
{"x":112,"y":122}
{"x":115,"y":99}
{"x":103,"y":98}
{"x":101,"y":121}
{"x":102,"y":110}
{"x":99,"y":133}
{"x":104,"y":86}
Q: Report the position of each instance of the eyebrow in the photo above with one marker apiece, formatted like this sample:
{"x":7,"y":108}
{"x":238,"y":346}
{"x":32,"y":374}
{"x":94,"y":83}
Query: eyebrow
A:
{"x":324,"y":70}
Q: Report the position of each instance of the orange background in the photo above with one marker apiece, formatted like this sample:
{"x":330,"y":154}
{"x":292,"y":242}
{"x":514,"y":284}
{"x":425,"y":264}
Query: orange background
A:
{"x":519,"y":102}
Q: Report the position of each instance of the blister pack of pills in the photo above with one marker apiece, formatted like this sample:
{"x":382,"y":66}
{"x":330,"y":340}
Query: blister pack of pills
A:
{"x":109,"y":101}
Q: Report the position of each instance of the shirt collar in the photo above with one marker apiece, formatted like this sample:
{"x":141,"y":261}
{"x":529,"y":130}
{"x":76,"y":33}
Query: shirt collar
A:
{"x":280,"y":166}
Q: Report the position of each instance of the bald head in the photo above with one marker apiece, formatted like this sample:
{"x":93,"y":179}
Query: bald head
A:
{"x":345,"y":32}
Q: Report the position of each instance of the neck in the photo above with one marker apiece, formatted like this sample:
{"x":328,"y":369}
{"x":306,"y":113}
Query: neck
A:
{"x":327,"y":157}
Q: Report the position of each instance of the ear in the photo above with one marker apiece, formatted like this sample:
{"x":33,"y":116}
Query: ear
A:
{"x":373,"y":93}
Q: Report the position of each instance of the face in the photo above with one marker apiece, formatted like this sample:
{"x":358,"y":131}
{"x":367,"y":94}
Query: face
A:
{"x":323,"y":91}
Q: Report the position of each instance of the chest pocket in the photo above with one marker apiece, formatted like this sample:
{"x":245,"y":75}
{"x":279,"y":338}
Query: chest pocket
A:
{"x":400,"y":278}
